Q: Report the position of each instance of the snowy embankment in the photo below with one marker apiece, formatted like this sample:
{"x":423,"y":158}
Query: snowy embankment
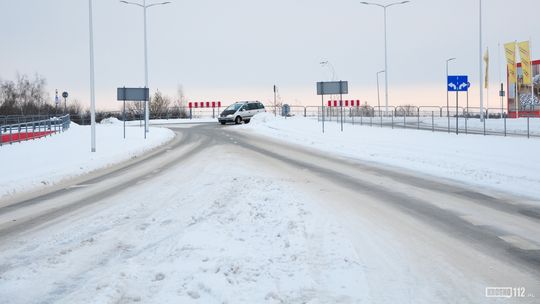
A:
{"x":513,"y":126}
{"x":498,"y":163}
{"x":32,"y":165}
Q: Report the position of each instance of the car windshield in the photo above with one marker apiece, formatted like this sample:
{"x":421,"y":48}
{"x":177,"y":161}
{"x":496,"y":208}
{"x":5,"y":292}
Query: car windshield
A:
{"x":234,"y":107}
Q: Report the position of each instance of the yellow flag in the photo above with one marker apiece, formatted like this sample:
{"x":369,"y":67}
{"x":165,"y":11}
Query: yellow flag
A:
{"x":510,"y":51}
{"x":525,"y":54}
{"x":486,"y":60}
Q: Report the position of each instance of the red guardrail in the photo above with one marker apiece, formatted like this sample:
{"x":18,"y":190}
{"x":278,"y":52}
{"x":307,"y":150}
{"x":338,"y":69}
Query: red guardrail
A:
{"x":7,"y":138}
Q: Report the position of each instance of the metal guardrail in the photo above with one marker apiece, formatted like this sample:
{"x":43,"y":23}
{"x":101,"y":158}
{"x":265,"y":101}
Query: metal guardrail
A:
{"x":32,"y":129}
{"x":17,"y":119}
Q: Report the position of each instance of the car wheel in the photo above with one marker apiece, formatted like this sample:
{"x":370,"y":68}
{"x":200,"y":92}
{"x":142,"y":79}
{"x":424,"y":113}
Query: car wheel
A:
{"x":247,"y":121}
{"x":238,"y":120}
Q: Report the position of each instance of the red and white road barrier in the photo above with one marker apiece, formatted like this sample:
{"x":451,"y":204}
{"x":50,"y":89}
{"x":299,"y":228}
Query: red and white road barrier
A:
{"x":204,"y":104}
{"x":346,"y":103}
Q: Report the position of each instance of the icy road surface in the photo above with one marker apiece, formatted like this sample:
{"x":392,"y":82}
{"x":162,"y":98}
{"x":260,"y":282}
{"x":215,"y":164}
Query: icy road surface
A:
{"x":225,"y":217}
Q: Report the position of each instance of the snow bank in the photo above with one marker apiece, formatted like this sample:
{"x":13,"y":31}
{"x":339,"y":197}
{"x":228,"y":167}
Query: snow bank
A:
{"x":111,"y":121}
{"x":47,"y":161}
{"x":175,"y":121}
{"x":499,"y":163}
{"x":263,"y":118}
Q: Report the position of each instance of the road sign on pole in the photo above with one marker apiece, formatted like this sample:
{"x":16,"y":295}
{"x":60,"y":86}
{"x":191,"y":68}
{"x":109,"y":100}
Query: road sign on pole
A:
{"x":331,"y":88}
{"x":458,"y":83}
{"x":132,"y":94}
{"x":65,"y":95}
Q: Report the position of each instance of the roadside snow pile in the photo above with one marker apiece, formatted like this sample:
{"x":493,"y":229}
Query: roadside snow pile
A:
{"x":512,"y":126}
{"x":111,"y":121}
{"x":263,"y":118}
{"x":182,"y":121}
{"x":36,"y":164}
{"x":500,"y":163}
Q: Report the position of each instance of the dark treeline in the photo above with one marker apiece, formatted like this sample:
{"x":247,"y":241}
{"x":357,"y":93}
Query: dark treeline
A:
{"x":28,"y":96}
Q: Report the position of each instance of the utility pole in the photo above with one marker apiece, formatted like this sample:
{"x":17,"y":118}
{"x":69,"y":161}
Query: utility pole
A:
{"x":481,"y":66}
{"x":92,"y":87}
{"x":275,"y":100}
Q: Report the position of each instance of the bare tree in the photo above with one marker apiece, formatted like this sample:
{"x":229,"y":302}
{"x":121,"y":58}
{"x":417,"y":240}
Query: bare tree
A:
{"x":8,"y":98}
{"x":181,"y":99}
{"x":24,"y":96}
{"x":74,"y":107}
{"x":159,"y":104}
{"x":135,"y":107}
{"x":180,"y":104}
{"x":406,"y":110}
{"x":366,"y":110}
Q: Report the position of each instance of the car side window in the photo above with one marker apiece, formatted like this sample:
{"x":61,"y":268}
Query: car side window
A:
{"x":260,"y":106}
{"x":252,"y":106}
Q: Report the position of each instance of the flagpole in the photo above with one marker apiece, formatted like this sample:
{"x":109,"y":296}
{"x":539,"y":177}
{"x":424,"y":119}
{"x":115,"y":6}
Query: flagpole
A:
{"x":532,"y":72}
{"x":500,"y":75}
{"x":487,"y":102}
{"x":487,"y":82}
{"x":480,"y":65}
{"x":517,"y":84}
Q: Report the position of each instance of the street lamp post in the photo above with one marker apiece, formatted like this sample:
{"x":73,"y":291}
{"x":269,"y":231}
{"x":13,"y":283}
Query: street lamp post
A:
{"x":447,"y":97}
{"x":92,"y":87}
{"x":384,"y":7}
{"x":481,"y":65}
{"x":144,"y":6}
{"x":329,"y":64}
{"x":275,"y":101}
{"x":379,"y":96}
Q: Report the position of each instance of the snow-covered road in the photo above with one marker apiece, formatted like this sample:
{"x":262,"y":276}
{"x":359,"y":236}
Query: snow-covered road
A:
{"x":225,"y":217}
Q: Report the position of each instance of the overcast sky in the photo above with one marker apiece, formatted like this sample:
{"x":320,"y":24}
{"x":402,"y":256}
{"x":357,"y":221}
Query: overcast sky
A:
{"x":237,"y":49}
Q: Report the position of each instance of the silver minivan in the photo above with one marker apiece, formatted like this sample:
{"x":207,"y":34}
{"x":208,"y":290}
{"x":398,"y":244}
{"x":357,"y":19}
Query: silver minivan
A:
{"x":241,"y":112}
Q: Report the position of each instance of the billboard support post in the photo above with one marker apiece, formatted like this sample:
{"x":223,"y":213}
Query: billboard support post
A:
{"x":501,"y":94}
{"x":132,"y":94}
{"x":458,"y":84}
{"x":331,"y":88}
{"x":124,"y":114}
{"x":457,"y":112}
{"x":467,"y":115}
{"x":516,"y":98}
{"x":341,"y":102}
{"x":322,"y":109}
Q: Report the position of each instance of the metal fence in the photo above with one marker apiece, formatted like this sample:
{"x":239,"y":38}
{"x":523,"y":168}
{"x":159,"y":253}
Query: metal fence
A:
{"x":397,"y":111}
{"x":33,"y":128}
{"x":462,"y":121}
{"x":16,"y":119}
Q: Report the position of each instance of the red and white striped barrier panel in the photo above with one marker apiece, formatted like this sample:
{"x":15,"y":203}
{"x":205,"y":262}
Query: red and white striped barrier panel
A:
{"x":204,"y":104}
{"x":346,"y":103}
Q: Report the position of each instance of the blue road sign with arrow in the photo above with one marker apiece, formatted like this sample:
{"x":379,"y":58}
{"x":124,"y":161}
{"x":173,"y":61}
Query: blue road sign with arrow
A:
{"x":458,"y":83}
